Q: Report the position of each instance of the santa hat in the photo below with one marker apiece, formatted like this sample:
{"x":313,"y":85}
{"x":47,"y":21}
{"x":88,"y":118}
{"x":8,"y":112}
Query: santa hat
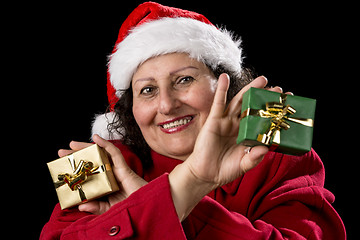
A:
{"x":152,"y":30}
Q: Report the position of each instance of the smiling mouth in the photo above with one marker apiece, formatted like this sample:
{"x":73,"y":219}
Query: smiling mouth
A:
{"x":175,"y":123}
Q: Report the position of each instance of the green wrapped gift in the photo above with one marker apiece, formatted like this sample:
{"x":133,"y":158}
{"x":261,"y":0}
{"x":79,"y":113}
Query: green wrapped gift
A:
{"x":282,"y":122}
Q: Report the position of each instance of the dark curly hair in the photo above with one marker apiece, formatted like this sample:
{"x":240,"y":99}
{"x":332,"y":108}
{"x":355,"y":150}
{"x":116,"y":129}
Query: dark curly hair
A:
{"x":124,"y":122}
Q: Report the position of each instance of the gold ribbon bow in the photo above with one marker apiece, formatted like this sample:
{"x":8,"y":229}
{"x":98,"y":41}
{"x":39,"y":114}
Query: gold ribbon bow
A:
{"x":278,"y":113}
{"x":79,"y":176}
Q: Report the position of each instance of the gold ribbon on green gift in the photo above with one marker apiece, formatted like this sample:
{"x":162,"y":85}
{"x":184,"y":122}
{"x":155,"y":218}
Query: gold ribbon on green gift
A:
{"x":278,"y":113}
{"x":80,"y":174}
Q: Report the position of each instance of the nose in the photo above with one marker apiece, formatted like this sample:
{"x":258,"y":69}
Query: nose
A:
{"x":168,"y":102}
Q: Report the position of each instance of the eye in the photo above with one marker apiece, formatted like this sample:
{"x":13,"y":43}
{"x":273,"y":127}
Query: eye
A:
{"x":185,"y":80}
{"x":148,"y":90}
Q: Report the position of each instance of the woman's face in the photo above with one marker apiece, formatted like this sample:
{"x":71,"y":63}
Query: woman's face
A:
{"x":172,"y":96}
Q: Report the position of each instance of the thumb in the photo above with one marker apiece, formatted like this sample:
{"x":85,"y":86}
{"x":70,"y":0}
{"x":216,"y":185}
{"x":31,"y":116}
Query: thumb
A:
{"x":253,"y":158}
{"x":123,"y":173}
{"x":115,"y":153}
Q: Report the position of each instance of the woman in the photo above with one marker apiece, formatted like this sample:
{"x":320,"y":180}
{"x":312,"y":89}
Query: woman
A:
{"x":175,"y":88}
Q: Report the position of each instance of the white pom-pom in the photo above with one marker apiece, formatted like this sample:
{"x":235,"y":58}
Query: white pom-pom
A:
{"x":100,"y":126}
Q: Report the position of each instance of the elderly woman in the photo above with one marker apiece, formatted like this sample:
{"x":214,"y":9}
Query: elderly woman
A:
{"x":175,"y":88}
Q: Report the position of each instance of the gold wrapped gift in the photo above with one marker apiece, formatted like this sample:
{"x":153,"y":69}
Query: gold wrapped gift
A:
{"x":82,"y":176}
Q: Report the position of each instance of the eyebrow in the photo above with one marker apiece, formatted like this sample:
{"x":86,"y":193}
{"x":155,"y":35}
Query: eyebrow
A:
{"x":181,"y":69}
{"x":171,"y":73}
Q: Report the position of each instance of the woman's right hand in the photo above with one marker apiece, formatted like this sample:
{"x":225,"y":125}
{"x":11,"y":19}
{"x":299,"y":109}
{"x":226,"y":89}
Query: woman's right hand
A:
{"x":127,"y":179}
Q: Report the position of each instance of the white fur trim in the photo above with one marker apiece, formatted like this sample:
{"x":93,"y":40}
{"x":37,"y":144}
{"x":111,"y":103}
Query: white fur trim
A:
{"x":201,"y":41}
{"x":99,"y":126}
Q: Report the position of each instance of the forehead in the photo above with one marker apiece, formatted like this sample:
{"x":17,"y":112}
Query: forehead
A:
{"x":167,"y":64}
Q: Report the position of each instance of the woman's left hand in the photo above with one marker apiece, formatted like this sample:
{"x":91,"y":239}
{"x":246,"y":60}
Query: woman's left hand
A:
{"x":216,"y":159}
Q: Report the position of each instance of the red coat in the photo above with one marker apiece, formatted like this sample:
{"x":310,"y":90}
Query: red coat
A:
{"x":282,"y":198}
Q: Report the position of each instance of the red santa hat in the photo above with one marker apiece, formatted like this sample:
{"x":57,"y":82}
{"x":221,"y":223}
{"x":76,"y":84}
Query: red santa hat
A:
{"x":152,"y":30}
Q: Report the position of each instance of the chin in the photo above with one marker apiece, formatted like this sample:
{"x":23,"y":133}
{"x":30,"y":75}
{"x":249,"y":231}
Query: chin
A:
{"x":177,"y":151}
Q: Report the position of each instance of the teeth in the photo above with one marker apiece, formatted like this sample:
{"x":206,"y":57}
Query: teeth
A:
{"x":177,"y":123}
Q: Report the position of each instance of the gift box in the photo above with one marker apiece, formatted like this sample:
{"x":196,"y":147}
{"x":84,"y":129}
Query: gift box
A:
{"x":82,"y":176}
{"x":282,"y":122}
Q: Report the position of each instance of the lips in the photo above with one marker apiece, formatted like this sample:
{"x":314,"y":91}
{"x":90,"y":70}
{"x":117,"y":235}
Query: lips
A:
{"x":176,"y":124}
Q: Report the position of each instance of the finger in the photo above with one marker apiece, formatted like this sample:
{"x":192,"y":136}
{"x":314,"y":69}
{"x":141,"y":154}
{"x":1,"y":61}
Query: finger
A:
{"x":275,"y":89}
{"x":65,"y":152}
{"x":234,"y":107}
{"x":279,"y":90}
{"x":76,"y":146}
{"x":94,"y":207}
{"x":253,"y":158}
{"x":259,"y":82}
{"x":219,"y":103}
{"x":115,"y":153}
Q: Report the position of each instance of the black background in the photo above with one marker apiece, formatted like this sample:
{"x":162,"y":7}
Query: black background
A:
{"x":57,"y":74}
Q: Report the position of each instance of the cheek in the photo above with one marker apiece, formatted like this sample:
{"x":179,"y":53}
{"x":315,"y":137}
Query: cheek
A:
{"x":143,"y":114}
{"x":203,"y":98}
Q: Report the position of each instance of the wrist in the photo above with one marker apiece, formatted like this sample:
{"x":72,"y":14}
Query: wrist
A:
{"x":186,"y":190}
